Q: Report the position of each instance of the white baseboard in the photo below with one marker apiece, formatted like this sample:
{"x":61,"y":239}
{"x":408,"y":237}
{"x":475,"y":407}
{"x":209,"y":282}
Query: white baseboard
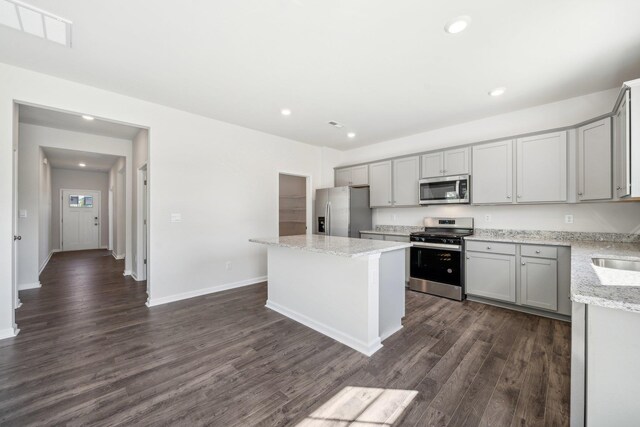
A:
{"x":116,"y":256}
{"x":356,"y":344}
{"x":25,"y":286}
{"x":8,"y":333}
{"x":391,"y":332}
{"x":127,"y":273}
{"x":103,"y":247}
{"x":46,"y":261}
{"x":213,"y":289}
{"x":134,"y":276}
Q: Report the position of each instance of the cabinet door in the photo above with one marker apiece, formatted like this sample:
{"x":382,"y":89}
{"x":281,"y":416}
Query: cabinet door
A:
{"x":541,"y":168}
{"x":432,"y":165}
{"x":539,"y":283}
{"x":622,"y":148}
{"x":380,"y":184}
{"x":491,"y":276}
{"x":342,"y":177}
{"x":594,"y":161}
{"x":360,"y":175}
{"x":406,"y":173}
{"x":456,"y":162}
{"x":492,"y":178}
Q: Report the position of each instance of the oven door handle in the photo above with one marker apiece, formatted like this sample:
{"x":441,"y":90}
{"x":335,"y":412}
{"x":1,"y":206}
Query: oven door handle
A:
{"x":454,"y":248}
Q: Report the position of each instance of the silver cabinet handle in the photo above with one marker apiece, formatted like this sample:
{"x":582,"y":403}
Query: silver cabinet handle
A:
{"x":523,"y":263}
{"x":468,"y":258}
{"x":537,"y":252}
{"x":618,"y":188}
{"x":17,"y":237}
{"x":579,"y":194}
{"x":488,"y":247}
{"x":508,"y":197}
{"x":519,"y":196}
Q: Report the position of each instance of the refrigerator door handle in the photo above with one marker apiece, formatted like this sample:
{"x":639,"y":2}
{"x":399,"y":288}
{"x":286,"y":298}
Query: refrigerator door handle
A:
{"x":328,"y":218}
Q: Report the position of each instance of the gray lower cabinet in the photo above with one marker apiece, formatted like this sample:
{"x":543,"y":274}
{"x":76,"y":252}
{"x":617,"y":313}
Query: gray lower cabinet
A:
{"x":539,"y":283}
{"x":532,"y":276}
{"x":491,"y":275}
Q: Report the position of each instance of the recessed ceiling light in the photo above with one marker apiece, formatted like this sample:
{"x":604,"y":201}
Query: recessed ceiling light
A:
{"x":285,"y":112}
{"x":457,"y":25}
{"x":351,"y":135}
{"x":84,"y":116}
{"x":82,"y":165}
{"x":498,"y":91}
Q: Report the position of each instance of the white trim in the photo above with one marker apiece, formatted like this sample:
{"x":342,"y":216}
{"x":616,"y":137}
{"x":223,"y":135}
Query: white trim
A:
{"x":127,"y":273}
{"x":9,"y":333}
{"x":116,"y":256}
{"x":205,"y":291}
{"x":46,"y":261}
{"x":25,"y":286}
{"x":134,"y":276}
{"x":391,"y":332}
{"x":364,"y":348}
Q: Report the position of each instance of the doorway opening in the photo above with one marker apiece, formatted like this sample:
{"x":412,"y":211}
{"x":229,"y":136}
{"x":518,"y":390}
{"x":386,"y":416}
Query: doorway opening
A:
{"x":73,"y":192}
{"x":293,"y":204}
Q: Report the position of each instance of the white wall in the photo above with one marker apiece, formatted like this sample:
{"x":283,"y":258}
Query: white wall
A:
{"x":45,"y":243}
{"x":79,"y":180}
{"x":222,"y":178}
{"x":604,"y":217}
{"x":117,"y":184}
{"x":31,"y":138}
{"x":140,"y":156}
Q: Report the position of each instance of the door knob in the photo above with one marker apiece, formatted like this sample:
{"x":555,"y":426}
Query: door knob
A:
{"x":17,"y":237}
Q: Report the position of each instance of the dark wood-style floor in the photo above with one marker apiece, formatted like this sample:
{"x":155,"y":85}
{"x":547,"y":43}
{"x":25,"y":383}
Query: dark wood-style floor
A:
{"x":91,"y":353}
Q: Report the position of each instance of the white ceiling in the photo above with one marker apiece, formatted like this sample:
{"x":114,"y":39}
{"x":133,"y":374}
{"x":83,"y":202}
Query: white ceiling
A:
{"x":69,"y":159}
{"x":74,"y":122}
{"x":382,"y":68}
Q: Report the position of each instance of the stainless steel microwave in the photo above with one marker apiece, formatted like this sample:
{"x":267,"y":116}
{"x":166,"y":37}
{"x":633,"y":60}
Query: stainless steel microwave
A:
{"x":445,"y":189}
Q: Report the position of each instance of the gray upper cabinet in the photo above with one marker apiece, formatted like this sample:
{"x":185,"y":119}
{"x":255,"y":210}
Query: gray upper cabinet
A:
{"x":541,"y":168}
{"x":622,"y":147}
{"x":594,"y":161}
{"x":491,"y":275}
{"x":380,"y":187}
{"x":406,"y":172}
{"x":432,"y":164}
{"x":539,"y":283}
{"x":445,"y":163}
{"x":356,"y":175}
{"x":492,"y":178}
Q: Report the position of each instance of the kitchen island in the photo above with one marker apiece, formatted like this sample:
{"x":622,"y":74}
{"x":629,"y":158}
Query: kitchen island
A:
{"x":351,"y":290}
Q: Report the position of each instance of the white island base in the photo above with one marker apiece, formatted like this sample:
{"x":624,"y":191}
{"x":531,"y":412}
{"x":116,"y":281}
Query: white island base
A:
{"x":357,"y":300}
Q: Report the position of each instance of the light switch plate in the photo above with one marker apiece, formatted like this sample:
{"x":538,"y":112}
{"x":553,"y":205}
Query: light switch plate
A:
{"x":175,"y":217}
{"x":568,"y":219}
{"x":487,"y":218}
{"x":23,"y":213}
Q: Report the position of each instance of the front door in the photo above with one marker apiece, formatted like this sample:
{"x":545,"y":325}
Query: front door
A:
{"x":80,"y":220}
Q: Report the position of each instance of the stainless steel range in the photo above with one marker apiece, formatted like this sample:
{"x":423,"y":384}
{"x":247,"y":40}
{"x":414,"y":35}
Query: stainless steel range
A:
{"x":437,"y":257}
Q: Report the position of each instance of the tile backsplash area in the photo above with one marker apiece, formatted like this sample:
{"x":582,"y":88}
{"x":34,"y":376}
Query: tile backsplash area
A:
{"x":612,"y":217}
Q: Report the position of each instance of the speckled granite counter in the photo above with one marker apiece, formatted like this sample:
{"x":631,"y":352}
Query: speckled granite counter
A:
{"x":589,"y":284}
{"x":387,"y":233}
{"x":394,"y":230}
{"x":333,"y":245}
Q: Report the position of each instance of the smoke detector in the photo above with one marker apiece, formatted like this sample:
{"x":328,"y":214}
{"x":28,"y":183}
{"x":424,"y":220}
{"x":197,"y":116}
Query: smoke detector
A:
{"x":336,"y":124}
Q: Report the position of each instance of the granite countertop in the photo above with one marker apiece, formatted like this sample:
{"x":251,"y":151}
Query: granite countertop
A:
{"x":333,"y":245}
{"x":387,"y":233}
{"x":590,"y":284}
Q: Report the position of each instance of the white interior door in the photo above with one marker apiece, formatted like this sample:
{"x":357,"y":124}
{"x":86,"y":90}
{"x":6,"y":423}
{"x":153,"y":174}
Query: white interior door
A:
{"x":16,"y":232}
{"x":80,"y":220}
{"x":144,"y":225}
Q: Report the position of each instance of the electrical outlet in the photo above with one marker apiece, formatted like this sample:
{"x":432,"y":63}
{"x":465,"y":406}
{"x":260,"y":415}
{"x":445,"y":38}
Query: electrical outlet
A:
{"x":487,"y":218}
{"x":228,"y":266}
{"x":395,"y":217}
{"x":568,"y":219}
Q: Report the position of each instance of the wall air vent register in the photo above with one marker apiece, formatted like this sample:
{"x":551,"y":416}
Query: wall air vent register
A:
{"x":32,"y":20}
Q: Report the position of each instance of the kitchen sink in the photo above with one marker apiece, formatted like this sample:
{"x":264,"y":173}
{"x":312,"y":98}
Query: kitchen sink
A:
{"x":617,"y":264}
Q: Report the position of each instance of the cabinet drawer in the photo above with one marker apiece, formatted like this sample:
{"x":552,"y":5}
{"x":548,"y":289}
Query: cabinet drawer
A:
{"x":536,"y":251}
{"x":492,"y":247}
{"x":371,"y":236}
{"x":391,"y":238}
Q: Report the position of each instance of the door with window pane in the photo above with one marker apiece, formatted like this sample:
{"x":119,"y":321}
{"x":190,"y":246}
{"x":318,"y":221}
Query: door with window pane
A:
{"x":80,"y":220}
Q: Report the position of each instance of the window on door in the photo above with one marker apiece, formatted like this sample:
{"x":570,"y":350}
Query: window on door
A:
{"x":80,"y":201}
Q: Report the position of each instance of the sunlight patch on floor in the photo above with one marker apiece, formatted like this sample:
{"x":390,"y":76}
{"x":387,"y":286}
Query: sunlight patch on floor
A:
{"x":361,"y":406}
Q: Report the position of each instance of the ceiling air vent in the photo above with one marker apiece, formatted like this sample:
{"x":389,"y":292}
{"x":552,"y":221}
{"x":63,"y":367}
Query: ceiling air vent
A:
{"x":31,"y":20}
{"x":336,"y":124}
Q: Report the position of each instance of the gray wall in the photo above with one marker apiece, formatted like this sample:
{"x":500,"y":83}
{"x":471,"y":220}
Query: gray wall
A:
{"x":79,"y":180}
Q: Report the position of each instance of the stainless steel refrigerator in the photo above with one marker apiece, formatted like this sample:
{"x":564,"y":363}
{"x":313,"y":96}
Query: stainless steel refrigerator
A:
{"x":342,"y":211}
